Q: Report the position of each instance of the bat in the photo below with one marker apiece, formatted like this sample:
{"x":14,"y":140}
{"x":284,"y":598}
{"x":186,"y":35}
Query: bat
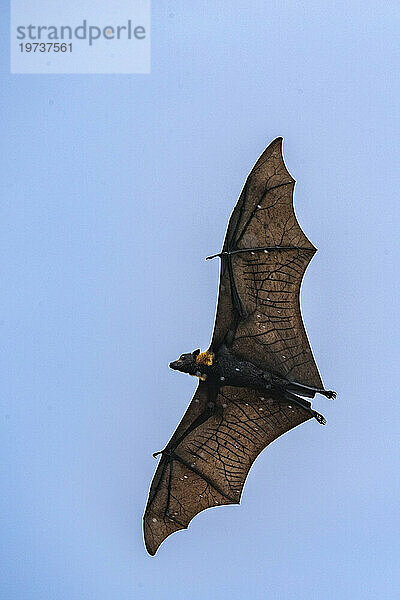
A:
{"x":259,"y":369}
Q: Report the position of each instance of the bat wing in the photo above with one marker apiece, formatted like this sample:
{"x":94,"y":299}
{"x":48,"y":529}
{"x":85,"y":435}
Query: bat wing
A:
{"x":207,"y":460}
{"x":264,"y":258}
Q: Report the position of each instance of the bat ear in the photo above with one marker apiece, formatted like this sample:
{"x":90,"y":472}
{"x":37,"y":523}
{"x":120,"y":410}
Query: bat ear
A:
{"x":195,"y":352}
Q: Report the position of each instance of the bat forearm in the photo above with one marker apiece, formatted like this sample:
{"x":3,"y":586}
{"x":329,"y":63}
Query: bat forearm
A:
{"x":256,"y":249}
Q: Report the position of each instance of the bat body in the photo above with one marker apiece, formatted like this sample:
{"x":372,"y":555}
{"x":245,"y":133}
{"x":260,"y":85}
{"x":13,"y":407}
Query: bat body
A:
{"x":259,"y":367}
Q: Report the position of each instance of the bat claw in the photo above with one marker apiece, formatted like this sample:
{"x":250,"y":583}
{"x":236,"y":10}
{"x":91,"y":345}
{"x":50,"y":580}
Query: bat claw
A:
{"x":155,"y":454}
{"x":330,"y":394}
{"x":320,"y":418}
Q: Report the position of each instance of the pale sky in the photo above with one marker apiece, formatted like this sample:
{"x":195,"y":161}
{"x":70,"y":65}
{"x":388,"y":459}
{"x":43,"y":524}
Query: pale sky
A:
{"x":115,"y":190}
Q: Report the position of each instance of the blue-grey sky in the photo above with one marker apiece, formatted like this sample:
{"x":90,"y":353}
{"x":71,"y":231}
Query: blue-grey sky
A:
{"x":115,"y":188}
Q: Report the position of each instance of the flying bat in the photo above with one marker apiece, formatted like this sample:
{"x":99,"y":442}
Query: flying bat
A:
{"x":259,"y":369}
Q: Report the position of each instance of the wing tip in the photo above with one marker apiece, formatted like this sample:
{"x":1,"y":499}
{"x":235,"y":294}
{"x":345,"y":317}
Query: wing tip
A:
{"x":277,"y":145}
{"x":152,"y":540}
{"x":278,"y":141}
{"x":151,"y":551}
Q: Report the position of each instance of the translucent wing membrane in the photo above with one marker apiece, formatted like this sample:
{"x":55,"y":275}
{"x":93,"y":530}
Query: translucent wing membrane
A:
{"x":208,"y":466}
{"x":268,"y":286}
{"x":265,"y":255}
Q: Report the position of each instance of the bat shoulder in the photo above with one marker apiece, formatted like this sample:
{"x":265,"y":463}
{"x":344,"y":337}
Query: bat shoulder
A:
{"x":205,"y":358}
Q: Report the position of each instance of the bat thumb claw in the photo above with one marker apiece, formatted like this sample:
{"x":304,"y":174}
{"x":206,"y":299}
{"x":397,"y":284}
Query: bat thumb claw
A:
{"x":212,"y":256}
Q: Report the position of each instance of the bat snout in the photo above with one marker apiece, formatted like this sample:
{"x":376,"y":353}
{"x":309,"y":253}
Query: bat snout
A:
{"x":175,"y":364}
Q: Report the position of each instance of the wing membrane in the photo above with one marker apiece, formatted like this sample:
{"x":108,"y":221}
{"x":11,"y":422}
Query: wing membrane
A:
{"x":258,"y":310}
{"x":209,"y":465}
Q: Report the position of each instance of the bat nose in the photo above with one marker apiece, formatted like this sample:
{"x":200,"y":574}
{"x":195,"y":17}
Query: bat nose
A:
{"x":176,"y":364}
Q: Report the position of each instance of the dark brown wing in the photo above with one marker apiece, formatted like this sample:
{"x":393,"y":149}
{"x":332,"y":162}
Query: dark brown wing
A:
{"x":258,"y":312}
{"x":209,"y":456}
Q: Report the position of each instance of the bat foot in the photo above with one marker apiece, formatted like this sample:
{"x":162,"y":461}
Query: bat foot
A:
{"x":330,"y":394}
{"x":320,"y":418}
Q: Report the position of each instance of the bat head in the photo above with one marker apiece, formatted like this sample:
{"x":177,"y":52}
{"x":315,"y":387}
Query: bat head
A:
{"x":186,"y":363}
